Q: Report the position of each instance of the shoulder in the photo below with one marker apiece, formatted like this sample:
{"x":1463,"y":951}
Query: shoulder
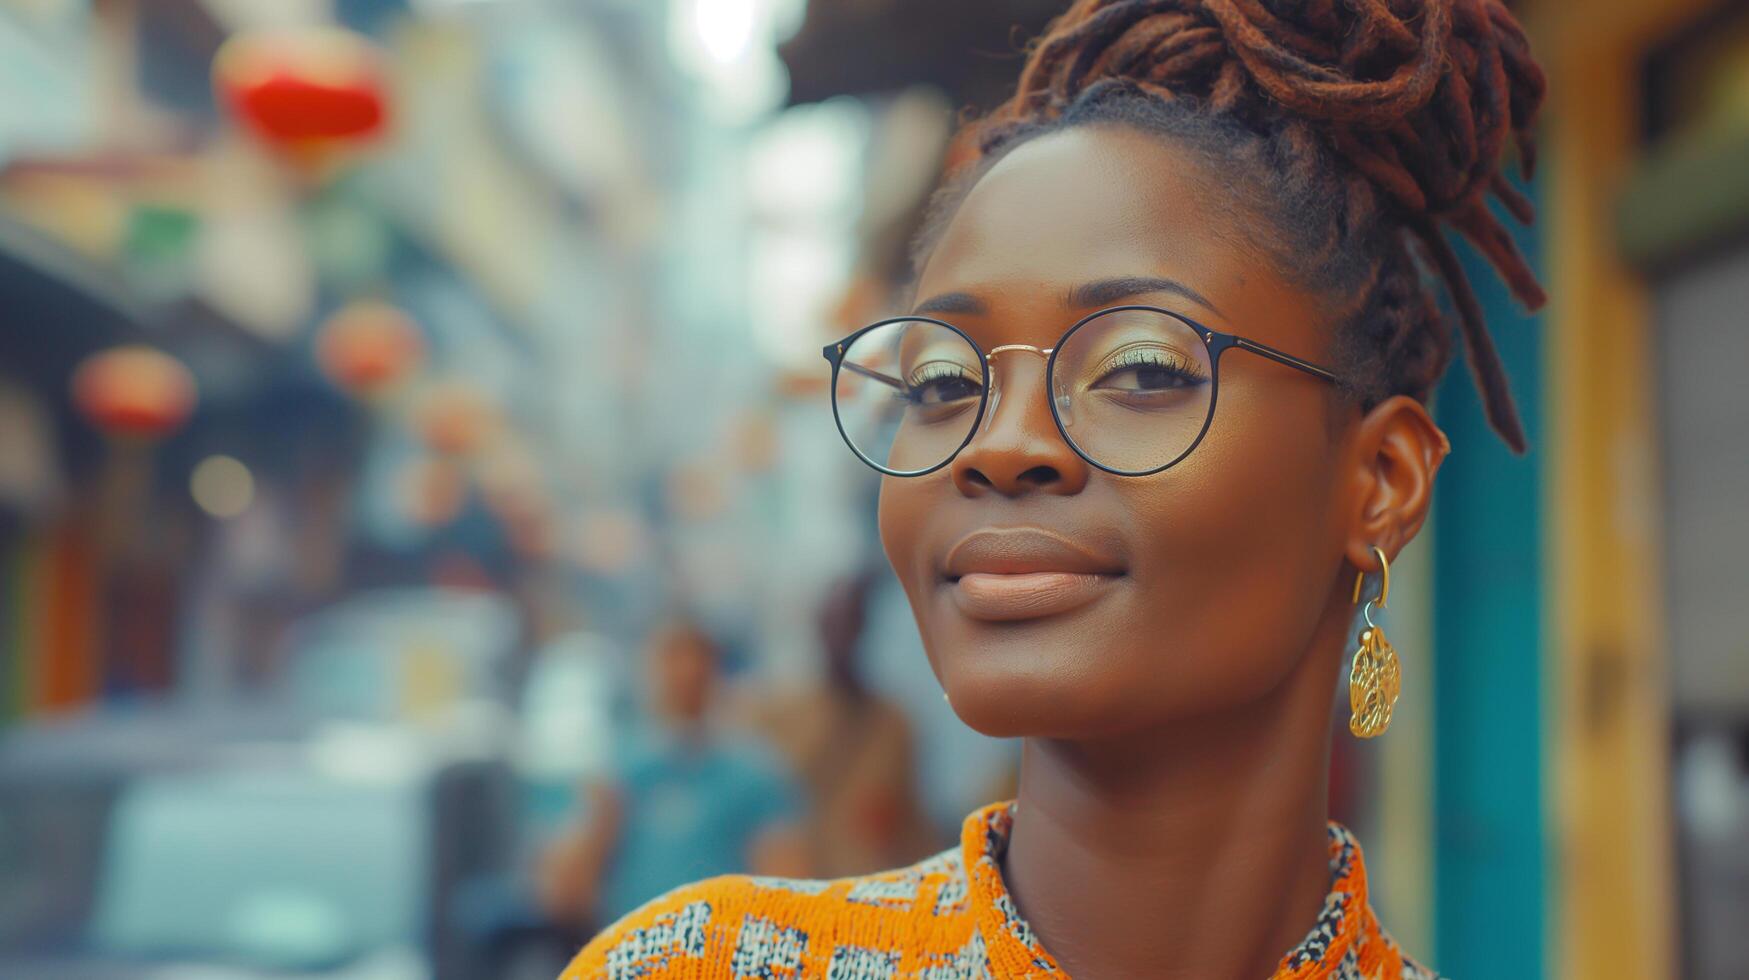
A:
{"x":738,"y":925}
{"x":666,"y":936}
{"x":640,"y":751}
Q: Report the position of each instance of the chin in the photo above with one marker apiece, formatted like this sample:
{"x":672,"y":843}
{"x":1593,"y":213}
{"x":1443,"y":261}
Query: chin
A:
{"x":1071,"y":681}
{"x":1035,"y":689}
{"x":1037,"y":677}
{"x":1026,"y":711}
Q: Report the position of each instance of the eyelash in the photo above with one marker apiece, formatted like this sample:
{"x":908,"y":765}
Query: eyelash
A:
{"x":933,"y":371}
{"x":1155,"y":358}
{"x":917,"y":385}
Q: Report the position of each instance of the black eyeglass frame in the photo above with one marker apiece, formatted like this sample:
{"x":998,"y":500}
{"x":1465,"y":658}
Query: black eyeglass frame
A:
{"x":1216,"y":342}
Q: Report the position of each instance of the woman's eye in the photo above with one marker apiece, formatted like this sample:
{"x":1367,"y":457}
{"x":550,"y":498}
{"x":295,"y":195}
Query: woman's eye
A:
{"x":939,"y":385}
{"x":1151,"y":372}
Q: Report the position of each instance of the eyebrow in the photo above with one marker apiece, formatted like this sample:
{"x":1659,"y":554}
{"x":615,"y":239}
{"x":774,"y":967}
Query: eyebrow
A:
{"x":1104,"y":292}
{"x":1100,"y":292}
{"x":951,"y":303}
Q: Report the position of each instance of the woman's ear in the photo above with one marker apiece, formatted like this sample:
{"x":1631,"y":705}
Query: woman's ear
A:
{"x":1397,"y":451}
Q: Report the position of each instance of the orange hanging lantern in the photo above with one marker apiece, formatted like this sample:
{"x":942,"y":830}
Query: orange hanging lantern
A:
{"x":134,"y":392}
{"x":308,"y":93}
{"x":368,"y":346}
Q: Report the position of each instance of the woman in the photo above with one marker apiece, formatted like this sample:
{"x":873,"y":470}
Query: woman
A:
{"x":1187,"y":204}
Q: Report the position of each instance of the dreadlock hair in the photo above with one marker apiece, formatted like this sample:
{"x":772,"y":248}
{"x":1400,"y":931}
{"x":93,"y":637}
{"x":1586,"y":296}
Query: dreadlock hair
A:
{"x":1362,"y":128}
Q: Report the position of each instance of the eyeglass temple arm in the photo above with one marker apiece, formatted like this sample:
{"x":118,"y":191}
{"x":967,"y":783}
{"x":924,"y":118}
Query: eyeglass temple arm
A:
{"x":1283,"y":357}
{"x":885,"y":379}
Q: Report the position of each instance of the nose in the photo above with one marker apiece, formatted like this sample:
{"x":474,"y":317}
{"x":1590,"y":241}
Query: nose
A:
{"x":1018,"y":448}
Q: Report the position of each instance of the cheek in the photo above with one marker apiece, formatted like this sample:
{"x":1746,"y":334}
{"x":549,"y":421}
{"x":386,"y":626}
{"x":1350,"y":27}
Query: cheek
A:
{"x":904,"y":505}
{"x":1230,"y":555}
{"x":1235,"y":547}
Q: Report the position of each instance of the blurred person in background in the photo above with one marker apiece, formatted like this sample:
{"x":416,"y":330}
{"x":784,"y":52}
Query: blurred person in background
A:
{"x":853,"y":751}
{"x":687,"y":799}
{"x":1176,"y":195}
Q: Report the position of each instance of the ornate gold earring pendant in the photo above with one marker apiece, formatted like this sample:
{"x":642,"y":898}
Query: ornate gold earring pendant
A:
{"x":1374,"y":678}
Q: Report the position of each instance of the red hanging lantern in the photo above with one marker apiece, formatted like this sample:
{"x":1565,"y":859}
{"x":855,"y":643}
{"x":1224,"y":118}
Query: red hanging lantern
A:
{"x":306,"y":93}
{"x":137,"y":392}
{"x":368,"y":346}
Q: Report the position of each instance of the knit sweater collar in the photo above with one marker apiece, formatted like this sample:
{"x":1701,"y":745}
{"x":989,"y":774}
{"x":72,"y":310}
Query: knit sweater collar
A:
{"x":1346,"y":934}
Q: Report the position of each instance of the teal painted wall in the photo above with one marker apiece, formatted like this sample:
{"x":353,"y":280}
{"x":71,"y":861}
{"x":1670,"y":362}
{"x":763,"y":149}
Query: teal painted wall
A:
{"x":1490,"y":895}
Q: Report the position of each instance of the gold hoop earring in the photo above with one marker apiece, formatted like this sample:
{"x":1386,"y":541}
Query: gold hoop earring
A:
{"x":1374,"y":678}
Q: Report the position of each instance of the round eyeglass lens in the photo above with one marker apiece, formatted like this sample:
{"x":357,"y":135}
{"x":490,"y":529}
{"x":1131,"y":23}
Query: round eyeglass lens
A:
{"x":907,"y":394}
{"x":1133,"y":389}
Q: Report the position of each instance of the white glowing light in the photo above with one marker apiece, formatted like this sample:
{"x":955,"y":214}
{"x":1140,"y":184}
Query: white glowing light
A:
{"x":729,"y":47}
{"x":725,"y":28}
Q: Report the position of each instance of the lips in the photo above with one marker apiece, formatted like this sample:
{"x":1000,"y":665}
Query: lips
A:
{"x":1014,"y":574}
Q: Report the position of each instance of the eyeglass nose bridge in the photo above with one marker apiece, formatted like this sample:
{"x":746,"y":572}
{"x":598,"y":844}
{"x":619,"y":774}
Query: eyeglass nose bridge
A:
{"x":1060,"y":397}
{"x":1044,"y":352}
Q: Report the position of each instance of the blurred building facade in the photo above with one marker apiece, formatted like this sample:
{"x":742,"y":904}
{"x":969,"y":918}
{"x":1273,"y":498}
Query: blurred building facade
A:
{"x":1646,"y":697}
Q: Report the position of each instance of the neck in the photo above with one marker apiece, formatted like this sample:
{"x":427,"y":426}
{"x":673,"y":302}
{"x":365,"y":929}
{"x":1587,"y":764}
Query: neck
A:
{"x":1196,"y":850}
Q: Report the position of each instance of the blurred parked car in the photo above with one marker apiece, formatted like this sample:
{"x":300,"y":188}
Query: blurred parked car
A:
{"x":247,"y":844}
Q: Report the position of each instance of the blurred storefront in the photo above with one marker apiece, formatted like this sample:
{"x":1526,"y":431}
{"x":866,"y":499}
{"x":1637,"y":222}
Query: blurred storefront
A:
{"x":407,"y":259}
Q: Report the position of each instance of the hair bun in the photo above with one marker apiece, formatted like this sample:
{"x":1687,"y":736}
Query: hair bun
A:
{"x":1420,"y":95}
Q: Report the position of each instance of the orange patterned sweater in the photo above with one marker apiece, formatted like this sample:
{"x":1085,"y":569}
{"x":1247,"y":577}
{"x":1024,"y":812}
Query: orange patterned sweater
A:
{"x":946,"y":918}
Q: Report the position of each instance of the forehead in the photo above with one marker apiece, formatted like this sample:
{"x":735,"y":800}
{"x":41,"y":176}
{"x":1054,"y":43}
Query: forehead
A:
{"x":1100,"y":202}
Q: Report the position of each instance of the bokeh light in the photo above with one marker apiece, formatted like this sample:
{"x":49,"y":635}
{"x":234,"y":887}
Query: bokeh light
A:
{"x":222,"y":486}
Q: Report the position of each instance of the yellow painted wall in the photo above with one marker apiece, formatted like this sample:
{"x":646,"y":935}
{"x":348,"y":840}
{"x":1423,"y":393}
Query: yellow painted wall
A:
{"x":1609,"y":743}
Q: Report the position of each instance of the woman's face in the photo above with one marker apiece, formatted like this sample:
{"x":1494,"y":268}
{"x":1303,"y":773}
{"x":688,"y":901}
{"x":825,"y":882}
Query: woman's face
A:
{"x":1056,"y":599}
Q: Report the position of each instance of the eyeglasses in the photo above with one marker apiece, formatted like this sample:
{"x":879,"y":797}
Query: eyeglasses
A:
{"x":1132,"y":388}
